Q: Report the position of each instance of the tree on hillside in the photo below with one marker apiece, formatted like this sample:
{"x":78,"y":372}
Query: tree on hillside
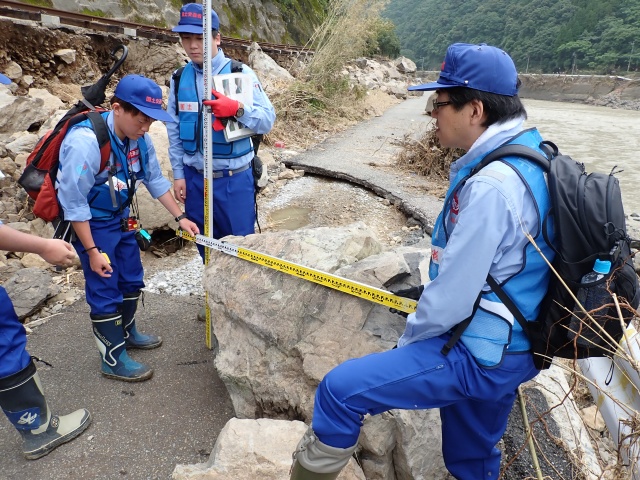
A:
{"x":546,"y":35}
{"x":385,"y":41}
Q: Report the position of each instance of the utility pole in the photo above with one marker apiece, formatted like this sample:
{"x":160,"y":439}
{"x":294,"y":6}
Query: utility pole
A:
{"x":527,"y":69}
{"x":630,"y":55}
{"x":422,"y":68}
{"x":573,"y":67}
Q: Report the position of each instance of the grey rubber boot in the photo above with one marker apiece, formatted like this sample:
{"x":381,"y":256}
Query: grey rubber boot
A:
{"x":22,"y":400}
{"x":313,"y":460}
{"x":132,"y":337}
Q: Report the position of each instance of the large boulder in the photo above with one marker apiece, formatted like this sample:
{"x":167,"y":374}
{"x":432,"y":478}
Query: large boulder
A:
{"x":20,"y":113}
{"x":152,"y":214}
{"x":266,"y":68}
{"x":279,"y":335}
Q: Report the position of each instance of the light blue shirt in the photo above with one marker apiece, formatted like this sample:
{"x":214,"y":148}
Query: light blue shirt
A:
{"x":259,"y":117}
{"x":80,"y":164}
{"x":495,"y":208}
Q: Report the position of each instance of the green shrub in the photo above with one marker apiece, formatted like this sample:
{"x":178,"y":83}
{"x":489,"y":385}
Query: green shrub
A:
{"x":93,"y":13}
{"x":39,"y":3}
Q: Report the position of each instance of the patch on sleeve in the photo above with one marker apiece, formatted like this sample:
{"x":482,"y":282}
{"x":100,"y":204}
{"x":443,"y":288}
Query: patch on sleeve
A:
{"x":491,"y":173}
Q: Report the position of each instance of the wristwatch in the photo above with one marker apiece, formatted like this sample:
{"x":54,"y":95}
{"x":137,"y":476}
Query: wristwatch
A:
{"x":180,"y":217}
{"x":239,"y":112}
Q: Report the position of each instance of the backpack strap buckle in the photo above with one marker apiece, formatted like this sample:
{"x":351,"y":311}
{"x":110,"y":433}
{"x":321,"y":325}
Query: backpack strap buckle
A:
{"x":615,"y":251}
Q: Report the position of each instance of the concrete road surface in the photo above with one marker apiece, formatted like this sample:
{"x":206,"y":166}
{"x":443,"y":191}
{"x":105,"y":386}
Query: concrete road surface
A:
{"x":139,"y":430}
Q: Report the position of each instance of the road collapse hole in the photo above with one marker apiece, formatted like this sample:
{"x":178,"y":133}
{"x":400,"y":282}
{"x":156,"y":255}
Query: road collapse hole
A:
{"x":164,"y":242}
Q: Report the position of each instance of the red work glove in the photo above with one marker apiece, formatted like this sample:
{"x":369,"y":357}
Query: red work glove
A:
{"x":217,"y":124}
{"x":222,"y":106}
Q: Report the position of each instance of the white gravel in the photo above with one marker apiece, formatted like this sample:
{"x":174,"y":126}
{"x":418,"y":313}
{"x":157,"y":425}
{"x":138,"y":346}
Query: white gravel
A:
{"x":183,"y":280}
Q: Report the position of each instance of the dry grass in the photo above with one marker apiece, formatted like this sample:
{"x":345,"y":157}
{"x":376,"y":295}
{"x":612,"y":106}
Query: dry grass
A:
{"x":308,"y":113}
{"x":343,"y":36}
{"x":321,"y":101}
{"x":425,"y":156}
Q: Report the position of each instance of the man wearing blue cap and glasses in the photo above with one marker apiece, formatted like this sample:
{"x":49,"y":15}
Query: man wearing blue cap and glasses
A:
{"x":98,"y":204}
{"x":479,"y":232}
{"x":233,"y":188}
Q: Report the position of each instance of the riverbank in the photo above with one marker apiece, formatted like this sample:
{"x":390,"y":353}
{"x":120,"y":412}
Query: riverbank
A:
{"x":609,"y":91}
{"x":603,"y":90}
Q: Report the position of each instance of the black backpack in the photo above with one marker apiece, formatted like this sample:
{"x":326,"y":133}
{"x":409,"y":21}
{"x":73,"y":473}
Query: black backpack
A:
{"x":589,"y":224}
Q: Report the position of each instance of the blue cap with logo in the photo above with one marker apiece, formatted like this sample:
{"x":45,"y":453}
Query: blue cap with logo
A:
{"x":4,"y":79}
{"x":144,"y":94}
{"x":481,"y":67}
{"x":191,"y":19}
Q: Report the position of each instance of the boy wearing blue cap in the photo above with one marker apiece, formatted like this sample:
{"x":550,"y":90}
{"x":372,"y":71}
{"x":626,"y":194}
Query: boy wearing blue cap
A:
{"x":470,"y":374}
{"x":98,"y":204}
{"x":233,"y":186}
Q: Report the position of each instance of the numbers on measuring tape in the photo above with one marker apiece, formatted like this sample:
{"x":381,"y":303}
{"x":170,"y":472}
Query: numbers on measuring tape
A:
{"x":334,"y":282}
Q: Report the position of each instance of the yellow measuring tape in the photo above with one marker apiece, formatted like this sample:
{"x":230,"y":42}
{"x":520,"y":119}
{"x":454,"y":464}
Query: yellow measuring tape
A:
{"x":335,"y":282}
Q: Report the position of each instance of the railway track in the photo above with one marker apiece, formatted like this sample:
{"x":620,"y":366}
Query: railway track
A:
{"x":52,"y":17}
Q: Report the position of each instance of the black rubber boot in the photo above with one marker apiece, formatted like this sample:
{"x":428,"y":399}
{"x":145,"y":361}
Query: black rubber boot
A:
{"x":132,"y":337}
{"x":22,"y":400}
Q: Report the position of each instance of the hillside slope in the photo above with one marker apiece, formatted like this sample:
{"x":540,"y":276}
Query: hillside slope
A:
{"x":546,"y":35}
{"x":275,"y":21}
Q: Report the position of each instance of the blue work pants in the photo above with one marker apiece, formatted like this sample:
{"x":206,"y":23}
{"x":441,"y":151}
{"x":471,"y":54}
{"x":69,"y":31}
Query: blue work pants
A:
{"x":474,"y":401}
{"x":13,"y":339}
{"x":104,"y":295}
{"x":234,"y":211}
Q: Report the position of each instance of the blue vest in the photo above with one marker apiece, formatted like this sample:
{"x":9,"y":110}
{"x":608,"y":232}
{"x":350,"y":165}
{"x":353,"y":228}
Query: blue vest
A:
{"x":190,"y":116}
{"x":493,"y":330}
{"x":100,"y":196}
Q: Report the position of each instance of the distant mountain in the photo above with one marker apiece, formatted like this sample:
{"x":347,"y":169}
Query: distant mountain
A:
{"x":601,"y":36}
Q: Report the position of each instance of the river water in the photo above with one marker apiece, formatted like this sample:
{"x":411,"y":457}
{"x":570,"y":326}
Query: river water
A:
{"x":600,"y":137}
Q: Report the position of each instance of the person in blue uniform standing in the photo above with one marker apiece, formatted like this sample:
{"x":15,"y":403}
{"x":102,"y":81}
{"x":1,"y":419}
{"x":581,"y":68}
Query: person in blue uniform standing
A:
{"x":480,"y":232}
{"x":98,"y":205}
{"x":233,"y":187}
{"x":21,"y":394}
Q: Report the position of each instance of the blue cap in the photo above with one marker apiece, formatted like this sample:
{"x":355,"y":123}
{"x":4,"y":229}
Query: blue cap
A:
{"x":602,"y":266}
{"x":144,"y":94}
{"x":481,"y":67}
{"x":4,"y":79}
{"x":191,"y":19}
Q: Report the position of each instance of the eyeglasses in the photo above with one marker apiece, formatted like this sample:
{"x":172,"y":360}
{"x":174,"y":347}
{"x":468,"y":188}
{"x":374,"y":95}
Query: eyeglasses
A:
{"x":435,"y":104}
